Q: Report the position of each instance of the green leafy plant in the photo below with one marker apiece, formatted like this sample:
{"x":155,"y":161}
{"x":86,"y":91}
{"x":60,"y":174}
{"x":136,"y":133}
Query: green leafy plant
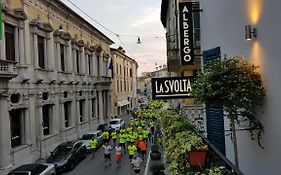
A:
{"x":236,"y":85}
{"x":157,"y":167}
{"x":221,"y":170}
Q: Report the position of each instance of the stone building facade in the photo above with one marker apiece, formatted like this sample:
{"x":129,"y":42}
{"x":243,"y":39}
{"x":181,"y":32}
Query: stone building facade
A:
{"x":54,"y":81}
{"x":124,"y":83}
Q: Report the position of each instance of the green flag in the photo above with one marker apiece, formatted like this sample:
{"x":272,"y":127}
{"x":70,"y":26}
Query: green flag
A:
{"x":1,"y":30}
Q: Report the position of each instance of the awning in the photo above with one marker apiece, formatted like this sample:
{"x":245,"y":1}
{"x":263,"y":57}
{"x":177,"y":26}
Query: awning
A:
{"x":123,"y":103}
{"x":119,"y":103}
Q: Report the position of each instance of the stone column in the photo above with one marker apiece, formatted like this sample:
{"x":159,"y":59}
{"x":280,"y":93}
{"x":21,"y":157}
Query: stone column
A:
{"x":21,"y":47}
{"x":50,"y":52}
{"x":87,"y":108}
{"x":83,"y":64}
{"x":2,"y":46}
{"x":105,"y":104}
{"x":17,"y":57}
{"x":58,"y":63}
{"x":77,"y":112}
{"x":33,"y":122}
{"x":96,"y":107}
{"x":69,"y":57}
{"x":95,"y":67}
{"x":5,"y":133}
{"x":86,"y":62}
{"x":101,"y":112}
{"x":74,"y":61}
{"x":109,"y":114}
{"x":35,"y":46}
{"x":40,"y":129}
{"x":72,"y":114}
{"x":56,"y":112}
{"x":27,"y":36}
{"x":101,"y":64}
{"x":62,"y":114}
{"x":27,"y":128}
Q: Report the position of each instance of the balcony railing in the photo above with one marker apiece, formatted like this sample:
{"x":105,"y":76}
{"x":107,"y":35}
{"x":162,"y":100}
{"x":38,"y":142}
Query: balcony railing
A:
{"x":216,"y":158}
{"x":7,"y":69}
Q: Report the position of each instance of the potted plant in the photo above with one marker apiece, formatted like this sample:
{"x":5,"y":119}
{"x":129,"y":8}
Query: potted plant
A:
{"x":215,"y":170}
{"x":157,"y":168}
{"x":197,"y":151}
{"x":155,"y":154}
{"x":236,"y":85}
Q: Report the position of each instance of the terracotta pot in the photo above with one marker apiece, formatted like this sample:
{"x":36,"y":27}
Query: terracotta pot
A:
{"x":197,"y":157}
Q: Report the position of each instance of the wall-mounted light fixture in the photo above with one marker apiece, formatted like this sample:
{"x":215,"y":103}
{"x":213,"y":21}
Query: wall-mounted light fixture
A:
{"x":250,"y":32}
{"x":139,"y":41}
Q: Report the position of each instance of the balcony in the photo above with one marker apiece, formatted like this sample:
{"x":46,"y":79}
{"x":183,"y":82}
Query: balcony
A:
{"x":7,"y":69}
{"x":216,"y":158}
{"x":103,"y":80}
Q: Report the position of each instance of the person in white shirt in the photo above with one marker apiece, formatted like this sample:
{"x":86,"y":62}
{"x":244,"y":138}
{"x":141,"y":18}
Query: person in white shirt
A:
{"x":107,"y":151}
{"x":136,"y":163}
{"x":118,"y":155}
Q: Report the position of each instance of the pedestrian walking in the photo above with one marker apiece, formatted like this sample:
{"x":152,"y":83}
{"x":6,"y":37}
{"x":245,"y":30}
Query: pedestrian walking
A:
{"x":122,"y":141}
{"x":136,"y":163}
{"x":93,"y":145}
{"x":113,"y":136}
{"x":118,"y":155}
{"x":107,"y":152}
{"x":132,"y":150}
{"x":106,"y":137}
{"x":143,"y":147}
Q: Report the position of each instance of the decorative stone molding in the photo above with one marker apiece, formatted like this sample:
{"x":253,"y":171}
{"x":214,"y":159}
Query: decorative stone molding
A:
{"x":73,"y":40}
{"x":66,"y":36}
{"x":46,"y":27}
{"x":63,"y":35}
{"x":98,"y":48}
{"x":92,"y":48}
{"x":80,"y":43}
{"x":20,"y":14}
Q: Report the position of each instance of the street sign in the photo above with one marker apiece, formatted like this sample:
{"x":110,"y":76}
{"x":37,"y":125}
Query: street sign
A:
{"x":171,"y":87}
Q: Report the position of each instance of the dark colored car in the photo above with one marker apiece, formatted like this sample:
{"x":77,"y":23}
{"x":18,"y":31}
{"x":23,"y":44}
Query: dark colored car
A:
{"x":105,"y":127}
{"x":67,"y":155}
{"x":34,"y":169}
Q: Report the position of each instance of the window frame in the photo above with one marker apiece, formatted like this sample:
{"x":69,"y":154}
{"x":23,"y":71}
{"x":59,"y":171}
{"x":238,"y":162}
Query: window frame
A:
{"x":10,"y":30}
{"x":41,"y":48}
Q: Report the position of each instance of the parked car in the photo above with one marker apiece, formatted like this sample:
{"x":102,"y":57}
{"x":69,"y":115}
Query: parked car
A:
{"x":67,"y":155}
{"x":105,"y":127}
{"x":34,"y":169}
{"x":86,"y":137}
{"x":117,"y":124}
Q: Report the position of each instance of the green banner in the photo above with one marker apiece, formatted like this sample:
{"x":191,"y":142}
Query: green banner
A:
{"x":1,"y":30}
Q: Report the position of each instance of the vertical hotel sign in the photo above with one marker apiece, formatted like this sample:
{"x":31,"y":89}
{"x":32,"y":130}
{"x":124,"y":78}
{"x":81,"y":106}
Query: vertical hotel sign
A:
{"x":186,"y":33}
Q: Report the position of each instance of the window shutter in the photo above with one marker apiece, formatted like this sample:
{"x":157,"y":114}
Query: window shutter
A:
{"x":214,"y":112}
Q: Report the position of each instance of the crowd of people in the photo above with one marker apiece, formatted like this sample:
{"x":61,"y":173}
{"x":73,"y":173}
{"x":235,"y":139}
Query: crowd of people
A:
{"x":131,"y":141}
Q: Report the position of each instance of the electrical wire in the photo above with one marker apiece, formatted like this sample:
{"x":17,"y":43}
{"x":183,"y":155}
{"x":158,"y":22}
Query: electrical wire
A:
{"x":107,"y":29}
{"x":92,"y":18}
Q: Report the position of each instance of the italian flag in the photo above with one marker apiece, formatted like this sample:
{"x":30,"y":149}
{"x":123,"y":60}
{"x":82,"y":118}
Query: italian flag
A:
{"x":1,"y":30}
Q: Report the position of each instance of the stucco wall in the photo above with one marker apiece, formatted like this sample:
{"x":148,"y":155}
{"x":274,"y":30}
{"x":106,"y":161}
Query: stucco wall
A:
{"x":223,"y":24}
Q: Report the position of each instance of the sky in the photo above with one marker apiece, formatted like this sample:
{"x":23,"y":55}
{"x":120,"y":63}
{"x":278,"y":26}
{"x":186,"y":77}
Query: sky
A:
{"x":129,"y":19}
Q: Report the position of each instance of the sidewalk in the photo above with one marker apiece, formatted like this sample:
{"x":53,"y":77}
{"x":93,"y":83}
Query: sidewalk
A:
{"x":150,"y":162}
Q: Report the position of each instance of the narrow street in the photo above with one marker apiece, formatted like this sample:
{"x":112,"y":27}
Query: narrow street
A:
{"x":91,"y":166}
{"x":96,"y":166}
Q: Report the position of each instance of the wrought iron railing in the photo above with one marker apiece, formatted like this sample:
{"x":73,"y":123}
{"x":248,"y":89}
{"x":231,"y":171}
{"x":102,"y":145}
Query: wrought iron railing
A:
{"x":216,"y":158}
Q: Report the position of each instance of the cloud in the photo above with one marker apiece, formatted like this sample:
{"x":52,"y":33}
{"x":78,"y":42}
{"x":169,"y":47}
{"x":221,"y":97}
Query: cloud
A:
{"x":117,"y":8}
{"x":150,"y":15}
